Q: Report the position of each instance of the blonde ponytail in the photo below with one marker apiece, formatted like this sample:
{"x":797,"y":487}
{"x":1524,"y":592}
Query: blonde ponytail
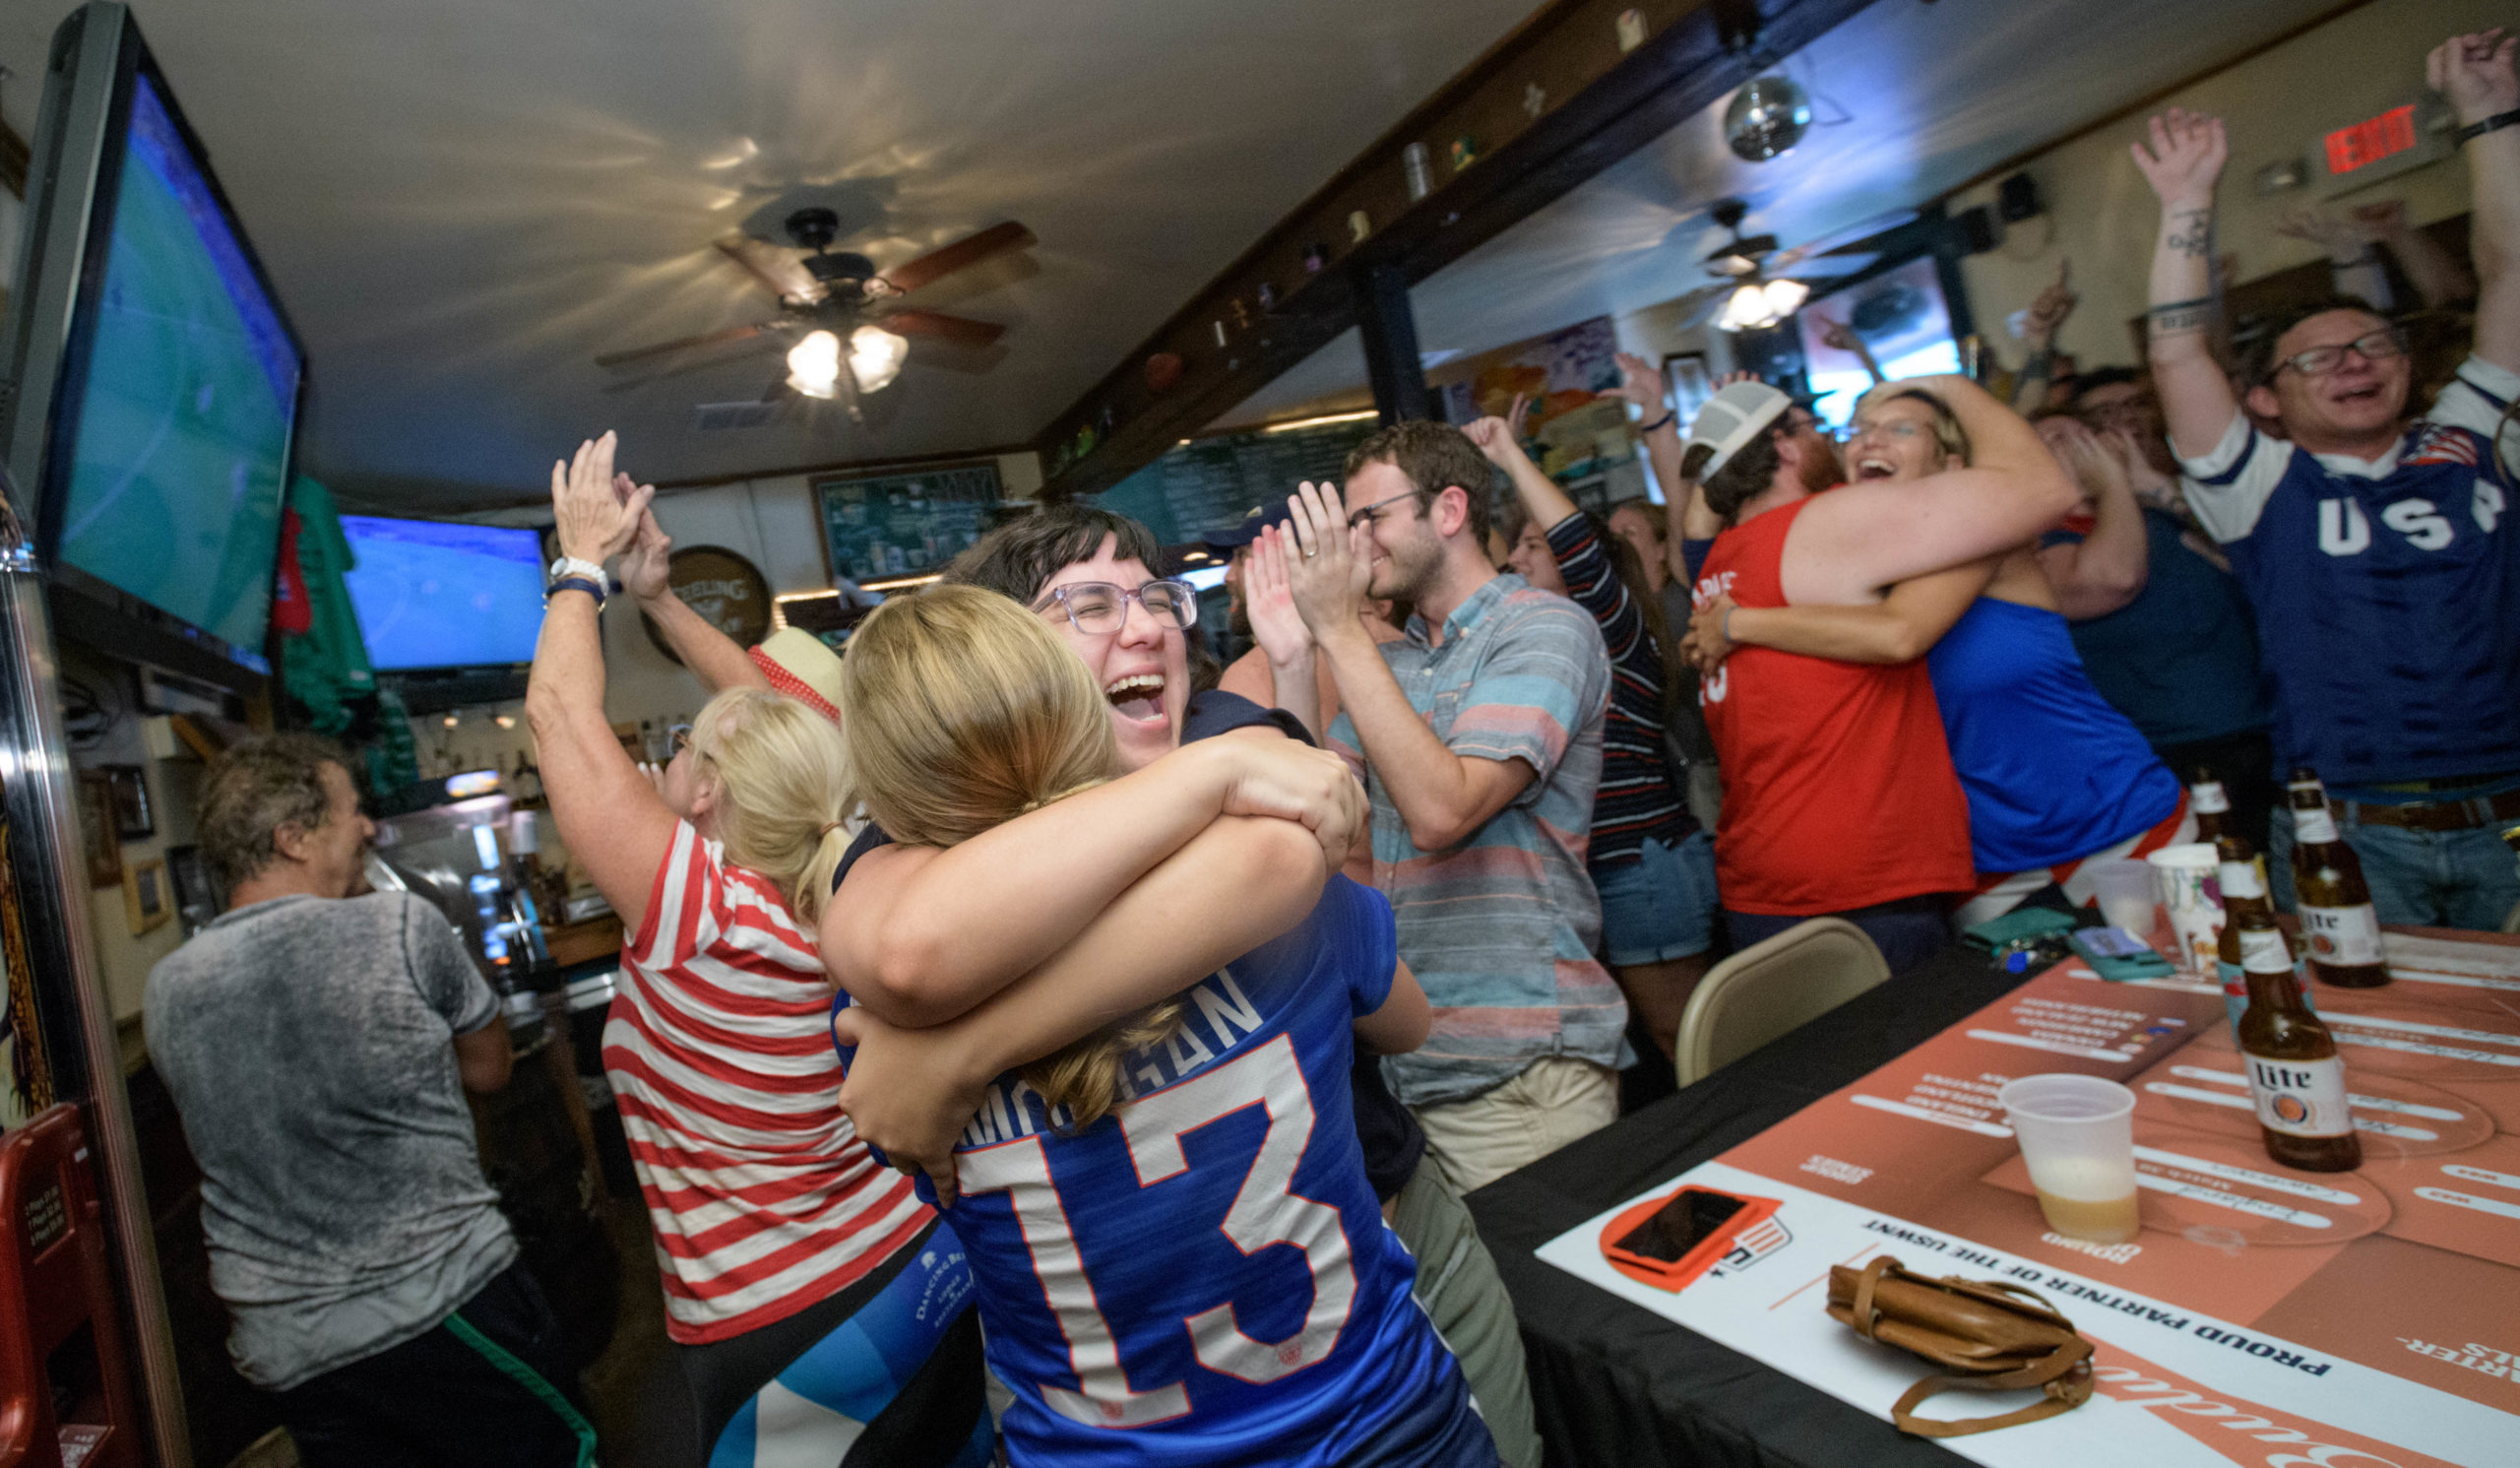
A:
{"x":966,"y":711}
{"x":783,"y":776}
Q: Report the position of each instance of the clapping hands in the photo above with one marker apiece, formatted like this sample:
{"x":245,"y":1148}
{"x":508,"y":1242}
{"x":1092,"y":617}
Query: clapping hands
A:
{"x":1327,"y":575}
{"x":1267,"y":599}
{"x":592,"y":520}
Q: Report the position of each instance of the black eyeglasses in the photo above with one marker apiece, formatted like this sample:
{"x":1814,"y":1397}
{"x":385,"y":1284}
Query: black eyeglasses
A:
{"x":1098,"y":609}
{"x":2318,"y":361}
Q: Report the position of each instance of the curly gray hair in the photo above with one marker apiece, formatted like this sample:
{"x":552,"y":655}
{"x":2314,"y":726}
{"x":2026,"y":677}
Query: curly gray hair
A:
{"x":255,"y":788}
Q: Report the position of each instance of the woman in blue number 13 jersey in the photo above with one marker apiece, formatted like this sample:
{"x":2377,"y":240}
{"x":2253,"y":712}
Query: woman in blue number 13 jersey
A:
{"x":1179,"y":1260}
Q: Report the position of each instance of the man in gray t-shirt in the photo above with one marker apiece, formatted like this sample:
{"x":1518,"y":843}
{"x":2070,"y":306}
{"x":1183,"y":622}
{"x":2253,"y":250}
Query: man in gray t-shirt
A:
{"x":318,"y":1047}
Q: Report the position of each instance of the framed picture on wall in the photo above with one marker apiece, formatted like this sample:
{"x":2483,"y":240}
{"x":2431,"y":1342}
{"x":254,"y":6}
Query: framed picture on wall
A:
{"x":130,"y":785}
{"x":878,"y":527}
{"x":196,"y":895}
{"x":145,"y":898}
{"x":97,"y":827}
{"x":1688,"y":384}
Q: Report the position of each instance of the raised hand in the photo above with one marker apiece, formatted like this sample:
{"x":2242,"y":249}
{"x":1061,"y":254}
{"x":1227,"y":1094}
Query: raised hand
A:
{"x":2342,"y":238}
{"x":591,"y":521}
{"x":645,"y":565}
{"x":1333,"y":563}
{"x":1641,"y":383}
{"x":2474,"y":71}
{"x":2050,"y":308}
{"x":1518,"y":415}
{"x":1269,"y":601}
{"x":1497,"y":438}
{"x":2188,"y":151}
{"x":2381,"y":219}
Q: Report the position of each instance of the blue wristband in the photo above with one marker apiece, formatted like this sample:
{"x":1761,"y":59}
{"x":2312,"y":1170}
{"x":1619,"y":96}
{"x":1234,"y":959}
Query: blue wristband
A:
{"x":574,"y":583}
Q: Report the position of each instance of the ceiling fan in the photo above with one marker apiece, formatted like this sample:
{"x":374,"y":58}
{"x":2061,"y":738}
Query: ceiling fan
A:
{"x":847,"y":331}
{"x":1757,"y":285}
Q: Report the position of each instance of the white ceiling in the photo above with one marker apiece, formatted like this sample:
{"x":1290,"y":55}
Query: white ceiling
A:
{"x":464,"y":201}
{"x":1936,"y":94}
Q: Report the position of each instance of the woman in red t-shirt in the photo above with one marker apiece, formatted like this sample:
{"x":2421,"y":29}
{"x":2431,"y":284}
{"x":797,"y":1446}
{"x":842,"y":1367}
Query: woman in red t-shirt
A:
{"x":775,"y":1225}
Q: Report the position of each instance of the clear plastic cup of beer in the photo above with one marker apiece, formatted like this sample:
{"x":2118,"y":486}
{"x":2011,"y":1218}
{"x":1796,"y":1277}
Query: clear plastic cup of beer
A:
{"x":2077,"y":1134}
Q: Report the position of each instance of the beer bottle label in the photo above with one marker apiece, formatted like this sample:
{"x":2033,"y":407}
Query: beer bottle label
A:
{"x":2300,"y":1097}
{"x":2262,"y":951}
{"x":2242,"y":879}
{"x":2313,"y":825}
{"x":2342,"y":935}
{"x":2206,"y":798}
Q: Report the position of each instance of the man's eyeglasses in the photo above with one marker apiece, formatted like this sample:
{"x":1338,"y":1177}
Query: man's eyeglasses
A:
{"x":2318,"y":361}
{"x":1372,"y":513}
{"x":1098,"y":609}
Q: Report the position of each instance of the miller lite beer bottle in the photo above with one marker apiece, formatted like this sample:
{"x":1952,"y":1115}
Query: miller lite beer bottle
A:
{"x":2338,"y":921}
{"x":2294,"y":1072}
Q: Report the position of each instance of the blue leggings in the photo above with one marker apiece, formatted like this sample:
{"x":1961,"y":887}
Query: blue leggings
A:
{"x":887,"y":1371}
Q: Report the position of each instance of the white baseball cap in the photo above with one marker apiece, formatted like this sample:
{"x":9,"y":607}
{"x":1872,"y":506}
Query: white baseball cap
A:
{"x":1732,"y":418}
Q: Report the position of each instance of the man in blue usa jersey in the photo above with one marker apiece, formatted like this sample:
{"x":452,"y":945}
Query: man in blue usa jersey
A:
{"x":2378,"y":552}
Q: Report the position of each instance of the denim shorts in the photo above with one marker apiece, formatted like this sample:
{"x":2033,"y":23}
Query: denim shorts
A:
{"x":1661,"y":906}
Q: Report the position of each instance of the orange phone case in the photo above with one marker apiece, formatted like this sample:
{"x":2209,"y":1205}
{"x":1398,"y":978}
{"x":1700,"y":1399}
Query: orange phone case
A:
{"x":1676,"y":1274}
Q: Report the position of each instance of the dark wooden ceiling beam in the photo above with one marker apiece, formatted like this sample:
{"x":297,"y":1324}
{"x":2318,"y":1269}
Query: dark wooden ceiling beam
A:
{"x":1597,"y":104}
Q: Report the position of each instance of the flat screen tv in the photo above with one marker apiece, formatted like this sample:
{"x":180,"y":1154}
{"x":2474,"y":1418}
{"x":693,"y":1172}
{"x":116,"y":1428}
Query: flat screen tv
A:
{"x":160,"y":379}
{"x":431,"y":595}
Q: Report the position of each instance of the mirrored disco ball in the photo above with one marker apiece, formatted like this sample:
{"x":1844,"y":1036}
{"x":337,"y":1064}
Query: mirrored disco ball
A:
{"x":1767,"y":117}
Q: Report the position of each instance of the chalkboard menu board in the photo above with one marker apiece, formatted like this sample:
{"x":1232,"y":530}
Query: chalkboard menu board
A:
{"x":903,"y":524}
{"x":1211,"y":483}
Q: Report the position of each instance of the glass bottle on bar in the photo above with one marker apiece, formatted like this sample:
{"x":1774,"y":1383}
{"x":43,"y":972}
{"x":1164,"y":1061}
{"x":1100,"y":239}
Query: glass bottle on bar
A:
{"x":2242,"y":880}
{"x":2338,"y":921}
{"x":2294,"y":1072}
{"x":2212,"y":808}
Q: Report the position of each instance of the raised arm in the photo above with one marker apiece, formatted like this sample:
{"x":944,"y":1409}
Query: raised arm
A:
{"x":911,"y":1091}
{"x":2187,"y":158}
{"x":1899,"y":628}
{"x":1843,"y":335}
{"x":1279,"y":628}
{"x":920,"y":935}
{"x":1853,"y":543}
{"x":2108,"y":568}
{"x":611,"y":817}
{"x":711,"y":655}
{"x":1542,"y":500}
{"x":2353,"y":261}
{"x":2047,"y":312}
{"x":2474,"y":72}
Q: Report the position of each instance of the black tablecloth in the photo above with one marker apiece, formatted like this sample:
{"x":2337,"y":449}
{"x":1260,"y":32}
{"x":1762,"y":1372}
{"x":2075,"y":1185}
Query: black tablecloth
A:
{"x":1614,"y":1384}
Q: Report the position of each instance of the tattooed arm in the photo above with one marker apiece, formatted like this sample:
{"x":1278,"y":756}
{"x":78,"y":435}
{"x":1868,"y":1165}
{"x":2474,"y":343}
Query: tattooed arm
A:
{"x":2184,"y":161}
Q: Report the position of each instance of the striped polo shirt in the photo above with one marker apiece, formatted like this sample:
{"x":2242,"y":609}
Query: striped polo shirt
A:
{"x":1500,"y":929}
{"x":1637,"y":801}
{"x":762,"y":1198}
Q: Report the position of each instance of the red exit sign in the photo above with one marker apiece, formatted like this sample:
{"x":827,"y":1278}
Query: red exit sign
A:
{"x":2365,"y":143}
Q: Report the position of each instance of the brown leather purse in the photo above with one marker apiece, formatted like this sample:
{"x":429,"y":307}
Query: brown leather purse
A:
{"x":1984,"y":1335}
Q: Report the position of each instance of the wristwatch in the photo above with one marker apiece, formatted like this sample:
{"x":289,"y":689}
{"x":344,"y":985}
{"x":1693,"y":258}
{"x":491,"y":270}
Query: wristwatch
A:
{"x":586,"y":575}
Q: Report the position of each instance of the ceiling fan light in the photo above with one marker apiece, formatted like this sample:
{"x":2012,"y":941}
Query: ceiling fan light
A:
{"x":813,"y":364}
{"x":1785,"y":297}
{"x":1747,"y":310}
{"x":875,"y":358}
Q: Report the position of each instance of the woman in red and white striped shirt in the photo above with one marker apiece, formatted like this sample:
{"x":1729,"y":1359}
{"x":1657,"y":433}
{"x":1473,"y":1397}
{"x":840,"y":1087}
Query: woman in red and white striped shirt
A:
{"x":775,"y":1226}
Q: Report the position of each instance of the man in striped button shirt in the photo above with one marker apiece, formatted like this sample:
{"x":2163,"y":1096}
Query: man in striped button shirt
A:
{"x":1479,"y":735}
